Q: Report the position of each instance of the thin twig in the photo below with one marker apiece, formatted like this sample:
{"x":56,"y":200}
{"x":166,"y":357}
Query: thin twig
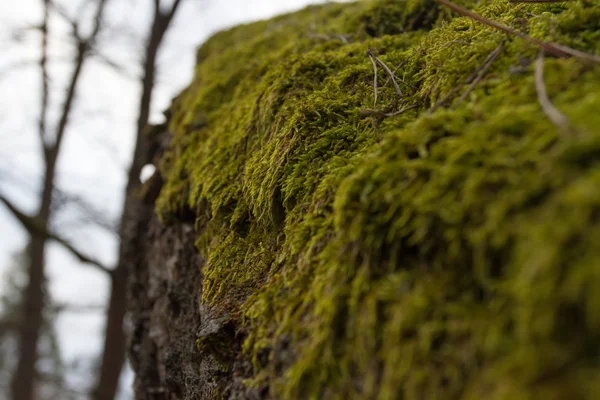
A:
{"x":377,"y":113}
{"x":35,"y":226}
{"x":394,"y":73}
{"x":83,"y":48}
{"x":388,"y":71}
{"x":44,"y":72}
{"x":554,"y":48}
{"x":553,"y":114}
{"x":538,"y":1}
{"x":477,"y":72}
{"x":372,"y":58}
{"x":483,"y":70}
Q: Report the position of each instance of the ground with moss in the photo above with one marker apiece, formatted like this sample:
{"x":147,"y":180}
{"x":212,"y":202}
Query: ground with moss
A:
{"x":451,"y":251}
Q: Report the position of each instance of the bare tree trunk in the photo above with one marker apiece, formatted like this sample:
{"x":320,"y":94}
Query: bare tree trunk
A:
{"x":24,"y":379}
{"x":113,"y":356}
{"x":114,"y":344}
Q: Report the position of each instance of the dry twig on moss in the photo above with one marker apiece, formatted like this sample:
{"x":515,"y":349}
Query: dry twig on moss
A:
{"x":394,"y":74}
{"x":389,"y":72}
{"x":482,"y":70}
{"x":378,"y":113}
{"x":538,"y":1}
{"x":556,"y":49}
{"x":473,"y":79}
{"x":372,"y":58}
{"x":553,"y":113}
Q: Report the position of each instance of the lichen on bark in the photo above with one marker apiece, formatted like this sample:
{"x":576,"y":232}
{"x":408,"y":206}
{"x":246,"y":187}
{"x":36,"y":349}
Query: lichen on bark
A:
{"x":445,"y":254}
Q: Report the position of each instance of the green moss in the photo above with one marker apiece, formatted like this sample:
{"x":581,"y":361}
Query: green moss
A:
{"x":440,"y":255}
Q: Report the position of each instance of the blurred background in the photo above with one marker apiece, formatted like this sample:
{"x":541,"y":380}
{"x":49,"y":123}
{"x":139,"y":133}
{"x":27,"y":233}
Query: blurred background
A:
{"x":79,"y":80}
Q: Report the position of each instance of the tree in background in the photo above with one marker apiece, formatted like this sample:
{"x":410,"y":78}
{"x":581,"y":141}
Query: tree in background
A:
{"x":29,"y":327}
{"x":50,"y":380}
{"x":51,"y":139}
{"x":114,"y":338}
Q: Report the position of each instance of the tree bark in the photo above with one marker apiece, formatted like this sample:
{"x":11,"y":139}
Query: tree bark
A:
{"x":114,"y":340}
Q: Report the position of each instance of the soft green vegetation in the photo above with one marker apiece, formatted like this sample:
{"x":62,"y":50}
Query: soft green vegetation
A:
{"x":444,"y":255}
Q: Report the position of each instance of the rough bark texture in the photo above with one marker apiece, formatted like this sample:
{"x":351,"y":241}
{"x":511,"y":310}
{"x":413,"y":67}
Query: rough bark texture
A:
{"x":167,"y":316}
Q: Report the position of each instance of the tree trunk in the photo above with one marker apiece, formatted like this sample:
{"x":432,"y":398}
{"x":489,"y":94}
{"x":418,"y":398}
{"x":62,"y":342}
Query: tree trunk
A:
{"x":24,"y":378}
{"x":114,"y":340}
{"x":114,"y":344}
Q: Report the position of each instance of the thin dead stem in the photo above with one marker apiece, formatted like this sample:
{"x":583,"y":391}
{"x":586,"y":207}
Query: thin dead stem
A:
{"x":556,"y":49}
{"x":390,"y":74}
{"x":538,"y":1}
{"x":478,"y":73}
{"x":377,"y":113}
{"x":482,"y":71}
{"x":372,"y":58}
{"x":553,"y":114}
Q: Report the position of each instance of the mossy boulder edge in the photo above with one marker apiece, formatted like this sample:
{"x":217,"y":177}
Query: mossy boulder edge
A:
{"x":452,"y":254}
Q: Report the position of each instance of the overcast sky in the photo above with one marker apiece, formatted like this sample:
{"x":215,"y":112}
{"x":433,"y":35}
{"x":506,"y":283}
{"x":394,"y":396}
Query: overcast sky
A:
{"x":98,"y":145}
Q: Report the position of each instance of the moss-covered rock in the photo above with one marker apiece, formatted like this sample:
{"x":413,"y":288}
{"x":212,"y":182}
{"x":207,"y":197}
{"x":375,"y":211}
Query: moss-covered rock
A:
{"x":435,"y":254}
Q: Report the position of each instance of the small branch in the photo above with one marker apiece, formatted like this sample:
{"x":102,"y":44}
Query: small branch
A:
{"x":553,"y":114}
{"x":80,"y":59}
{"x":538,"y":1}
{"x":44,"y":73}
{"x":482,"y":71}
{"x":377,"y":113}
{"x":479,"y":72}
{"x":63,"y":13}
{"x":173,"y":10}
{"x":77,"y":308}
{"x":119,"y":69}
{"x":372,"y":58}
{"x":390,"y":74}
{"x":394,"y":73}
{"x":34,"y":226}
{"x":8,"y":326}
{"x":554,"y":48}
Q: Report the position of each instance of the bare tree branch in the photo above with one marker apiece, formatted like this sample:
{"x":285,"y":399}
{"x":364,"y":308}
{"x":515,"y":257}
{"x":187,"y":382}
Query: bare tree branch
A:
{"x":477,"y":72}
{"x":73,"y":22}
{"x":34,"y":226}
{"x":8,"y":326}
{"x":44,"y":73}
{"x":554,"y":48}
{"x":173,"y":10}
{"x":82,"y":51}
{"x":77,"y":308}
{"x":121,"y":70}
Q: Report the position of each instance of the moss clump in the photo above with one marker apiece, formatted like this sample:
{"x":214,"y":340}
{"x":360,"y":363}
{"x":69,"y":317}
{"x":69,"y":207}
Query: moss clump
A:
{"x":453,"y":254}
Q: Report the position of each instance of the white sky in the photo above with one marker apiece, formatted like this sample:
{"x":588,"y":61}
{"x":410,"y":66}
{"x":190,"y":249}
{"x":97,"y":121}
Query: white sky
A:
{"x":98,"y":144}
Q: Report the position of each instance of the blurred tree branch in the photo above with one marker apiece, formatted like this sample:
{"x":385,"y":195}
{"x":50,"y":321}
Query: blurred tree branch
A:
{"x":36,"y":227}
